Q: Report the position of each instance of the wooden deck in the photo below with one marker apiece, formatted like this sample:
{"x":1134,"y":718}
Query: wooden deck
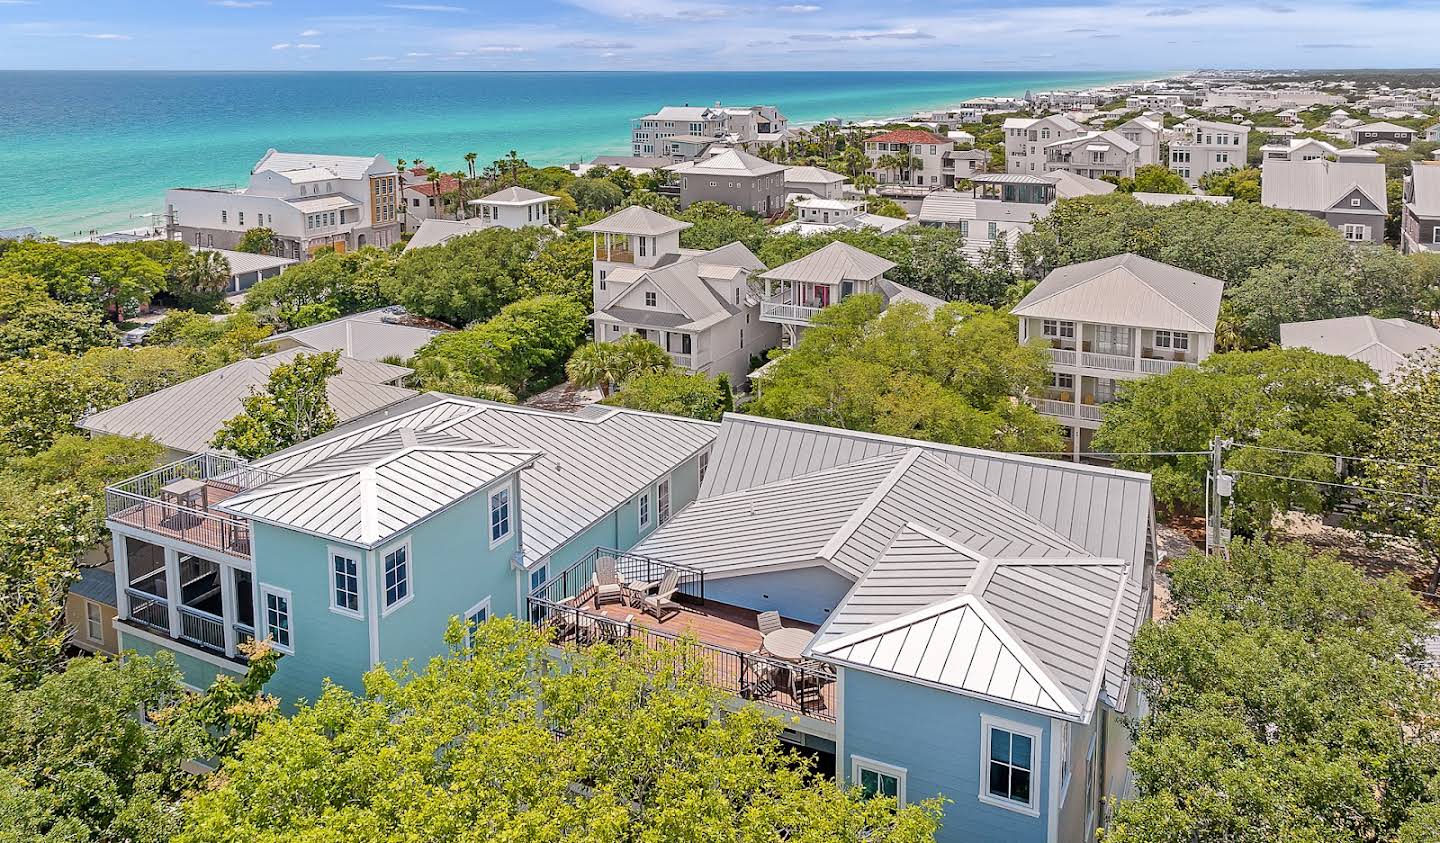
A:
{"x":196,"y":526}
{"x":720,"y":624}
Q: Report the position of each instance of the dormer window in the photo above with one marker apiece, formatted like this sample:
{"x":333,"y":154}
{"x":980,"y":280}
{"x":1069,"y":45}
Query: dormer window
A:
{"x":649,"y":299}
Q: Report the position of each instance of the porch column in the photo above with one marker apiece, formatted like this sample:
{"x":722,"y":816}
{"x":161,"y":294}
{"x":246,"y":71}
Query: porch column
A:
{"x":1135,"y":336}
{"x":172,"y":589}
{"x":227,"y":607}
{"x":120,"y":553}
{"x":1075,"y":440}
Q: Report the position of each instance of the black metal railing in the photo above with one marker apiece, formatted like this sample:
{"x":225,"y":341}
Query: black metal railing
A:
{"x":149,"y":610}
{"x":576,"y":580}
{"x":806,"y":688}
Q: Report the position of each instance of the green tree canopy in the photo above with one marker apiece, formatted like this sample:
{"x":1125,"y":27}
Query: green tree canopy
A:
{"x":200,"y":279}
{"x":1284,"y":703}
{"x":1154,"y":178}
{"x":348,"y":283}
{"x":226,"y":340}
{"x":501,"y":742}
{"x":522,"y":348}
{"x":115,"y":279}
{"x":674,"y":392}
{"x":1294,"y":399}
{"x":713,"y":225}
{"x":293,"y":408}
{"x":958,"y":376}
{"x":31,"y":320}
{"x":605,"y":365}
{"x":563,"y":267}
{"x":468,"y":278}
{"x":257,"y":241}
{"x":1242,"y":184}
{"x":595,"y":194}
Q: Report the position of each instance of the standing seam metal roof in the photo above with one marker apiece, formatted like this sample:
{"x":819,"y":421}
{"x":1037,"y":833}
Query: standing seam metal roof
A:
{"x":1127,"y":290}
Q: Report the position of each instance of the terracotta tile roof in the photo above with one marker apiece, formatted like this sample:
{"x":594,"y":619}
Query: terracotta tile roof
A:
{"x":448,"y":184}
{"x":908,"y":136}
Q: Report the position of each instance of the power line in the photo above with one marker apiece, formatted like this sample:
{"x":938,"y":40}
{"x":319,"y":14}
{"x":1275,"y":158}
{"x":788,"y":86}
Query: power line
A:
{"x":1333,"y":456}
{"x":1335,"y":485}
{"x":1111,"y":453}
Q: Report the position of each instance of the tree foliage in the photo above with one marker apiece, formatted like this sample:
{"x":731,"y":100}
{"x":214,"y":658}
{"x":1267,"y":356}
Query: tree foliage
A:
{"x":958,"y":376}
{"x":30,"y":320}
{"x":605,"y":365}
{"x":1242,"y":184}
{"x":327,"y":286}
{"x":501,"y":742}
{"x":293,"y":408}
{"x":1294,"y":399}
{"x":115,"y":279}
{"x":468,"y":278}
{"x":257,"y":241}
{"x":1153,"y":178}
{"x":524,"y":347}
{"x":713,"y":225}
{"x":676,"y":393}
{"x":1284,"y":703}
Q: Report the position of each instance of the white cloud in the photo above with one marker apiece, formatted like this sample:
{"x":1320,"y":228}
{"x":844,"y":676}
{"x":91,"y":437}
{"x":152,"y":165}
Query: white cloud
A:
{"x":17,"y":2}
{"x":798,"y":9}
{"x":903,"y":34}
{"x":310,"y":33}
{"x":240,"y":4}
{"x":280,"y":46}
{"x":417,"y":55}
{"x":307,"y":46}
{"x":107,"y":36}
{"x":424,"y":7}
{"x":500,"y":48}
{"x":378,"y":58}
{"x":595,"y":44}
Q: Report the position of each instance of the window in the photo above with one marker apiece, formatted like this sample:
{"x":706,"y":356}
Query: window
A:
{"x":539,"y":576}
{"x":644,"y":510}
{"x":1010,"y":757}
{"x":992,"y":230}
{"x":474,"y":617}
{"x":1355,"y":232}
{"x":1355,"y":203}
{"x":241,"y":217}
{"x":1057,"y":328}
{"x":397,"y":576}
{"x":704,"y":464}
{"x":737,"y":294}
{"x":224,"y":217}
{"x":1062,"y":380}
{"x":277,"y":618}
{"x":345,"y":581}
{"x":649,"y":299}
{"x":877,"y":779}
{"x":499,"y":515}
{"x":1113,"y":339}
{"x":1222,"y":158}
{"x":662,"y":499}
{"x":94,"y":623}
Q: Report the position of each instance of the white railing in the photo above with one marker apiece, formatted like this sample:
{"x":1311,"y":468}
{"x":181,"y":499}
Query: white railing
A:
{"x":681,"y":360}
{"x":1090,"y":412}
{"x":202,"y":628}
{"x":778,"y":312}
{"x":1159,"y":367}
{"x":1109,"y":362}
{"x":1064,"y":356}
{"x":1051,"y":407}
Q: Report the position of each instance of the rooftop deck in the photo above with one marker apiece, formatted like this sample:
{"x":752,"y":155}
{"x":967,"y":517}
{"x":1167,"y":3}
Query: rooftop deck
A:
{"x":176,"y":501}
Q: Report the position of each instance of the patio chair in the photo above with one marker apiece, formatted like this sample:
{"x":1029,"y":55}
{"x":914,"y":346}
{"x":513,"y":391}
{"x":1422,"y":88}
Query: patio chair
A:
{"x":605,"y":582}
{"x":768,"y":622}
{"x":808,"y":681}
{"x":656,"y":604}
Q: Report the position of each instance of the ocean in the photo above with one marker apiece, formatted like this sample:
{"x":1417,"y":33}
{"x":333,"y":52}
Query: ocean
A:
{"x":85,"y":151}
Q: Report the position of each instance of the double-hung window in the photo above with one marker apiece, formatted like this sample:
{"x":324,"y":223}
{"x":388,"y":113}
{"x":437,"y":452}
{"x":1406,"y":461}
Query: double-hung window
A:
{"x":278,"y":628}
{"x":662,"y":499}
{"x":345,"y":582}
{"x":1057,"y":329}
{"x":499,"y":515}
{"x":1011,"y":756}
{"x":704,"y":464}
{"x":644,"y":509}
{"x":650,"y":299}
{"x":474,"y":617}
{"x":878,"y":779}
{"x":94,"y":622}
{"x":397,"y":575}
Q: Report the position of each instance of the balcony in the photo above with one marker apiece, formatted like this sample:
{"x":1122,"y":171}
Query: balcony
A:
{"x":176,"y":501}
{"x":1063,"y":356}
{"x":1108,"y":362}
{"x":682,"y":361}
{"x":1069,"y":409}
{"x":1157,"y":366}
{"x":790,"y":314}
{"x":185,"y":598}
{"x":726,"y":637}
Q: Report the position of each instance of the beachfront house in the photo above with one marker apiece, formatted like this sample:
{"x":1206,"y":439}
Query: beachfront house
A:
{"x":695,"y":304}
{"x":358,"y":547}
{"x":746,"y":126}
{"x":422,"y":199}
{"x":914,"y":157}
{"x":1111,"y":320}
{"x":734,"y":178}
{"x":310,"y":202}
{"x":795,"y":292}
{"x":1204,"y":146}
{"x":1347,"y":193}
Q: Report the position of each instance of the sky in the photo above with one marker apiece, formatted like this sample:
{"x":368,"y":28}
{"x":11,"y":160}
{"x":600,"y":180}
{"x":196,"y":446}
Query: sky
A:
{"x":1081,"y":35}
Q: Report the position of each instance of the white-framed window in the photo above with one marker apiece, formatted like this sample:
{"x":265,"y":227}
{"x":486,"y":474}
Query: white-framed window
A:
{"x":1057,"y":328}
{"x":474,"y":616}
{"x":1104,"y":390}
{"x":876,"y":778}
{"x":499,"y":515}
{"x":345,"y":582}
{"x":1009,"y":758}
{"x":396,"y":570}
{"x":1113,"y":339}
{"x":650,"y":299}
{"x":275,"y":615}
{"x":224,"y":216}
{"x":1222,"y":158}
{"x":644,"y":508}
{"x":1355,"y":232}
{"x":1355,"y":203}
{"x":1062,"y":729}
{"x":992,"y":230}
{"x":705,"y":459}
{"x":1062,"y":380}
{"x":662,"y":500}
{"x":94,"y":622}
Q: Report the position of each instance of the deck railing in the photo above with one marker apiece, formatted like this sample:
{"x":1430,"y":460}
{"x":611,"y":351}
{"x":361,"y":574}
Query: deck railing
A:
{"x":141,"y":501}
{"x":202,"y":628}
{"x":149,"y":610}
{"x":781,"y":312}
{"x":1156,"y":366}
{"x":576,"y":580}
{"x":218,"y":470}
{"x":806,"y":689}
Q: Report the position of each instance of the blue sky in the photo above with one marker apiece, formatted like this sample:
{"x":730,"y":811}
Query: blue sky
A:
{"x":713,"y":34}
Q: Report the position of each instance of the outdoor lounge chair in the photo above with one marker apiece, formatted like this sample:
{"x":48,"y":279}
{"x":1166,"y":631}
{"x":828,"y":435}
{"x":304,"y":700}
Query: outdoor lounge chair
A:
{"x":656,"y":604}
{"x":768,"y":622}
{"x":605,"y":582}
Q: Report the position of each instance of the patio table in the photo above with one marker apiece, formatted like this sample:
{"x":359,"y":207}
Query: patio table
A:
{"x":788,"y":642}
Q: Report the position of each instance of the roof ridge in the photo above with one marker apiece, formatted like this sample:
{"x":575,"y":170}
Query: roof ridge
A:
{"x":867,"y":507}
{"x":808,"y":475}
{"x":1097,"y":678}
{"x":369,"y":505}
{"x":1157,"y":291}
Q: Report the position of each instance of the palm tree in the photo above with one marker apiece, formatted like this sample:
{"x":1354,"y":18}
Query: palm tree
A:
{"x":205,"y":272}
{"x":865,"y":182}
{"x":596,"y":364}
{"x":641,"y":357}
{"x":432,"y":176}
{"x":470,"y":162}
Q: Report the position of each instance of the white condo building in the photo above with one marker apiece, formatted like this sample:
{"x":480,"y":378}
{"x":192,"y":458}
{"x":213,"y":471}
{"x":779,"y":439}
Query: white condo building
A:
{"x":310,"y":201}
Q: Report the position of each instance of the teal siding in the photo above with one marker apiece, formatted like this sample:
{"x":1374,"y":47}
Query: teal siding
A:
{"x":807,"y":594}
{"x":327,"y":644}
{"x":198,"y":673}
{"x":453,"y":567}
{"x":936,"y":737}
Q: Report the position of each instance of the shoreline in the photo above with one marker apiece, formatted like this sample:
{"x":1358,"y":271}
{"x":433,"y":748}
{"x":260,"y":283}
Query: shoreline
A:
{"x":125,"y":217}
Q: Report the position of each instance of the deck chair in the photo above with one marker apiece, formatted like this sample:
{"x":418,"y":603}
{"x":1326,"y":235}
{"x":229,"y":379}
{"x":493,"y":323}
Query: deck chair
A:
{"x":656,"y":604}
{"x":605,"y":582}
{"x":768,"y":622}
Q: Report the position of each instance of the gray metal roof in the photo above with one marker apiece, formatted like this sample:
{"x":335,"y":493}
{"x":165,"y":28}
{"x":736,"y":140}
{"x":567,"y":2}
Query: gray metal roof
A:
{"x":1105,"y":511}
{"x":96,"y":584}
{"x":516,"y":196}
{"x":246,"y":262}
{"x":1317,"y":185}
{"x":1069,"y":185}
{"x":1425,"y":190}
{"x":637,"y":220}
{"x":831,"y":264}
{"x":732,"y":162}
{"x":372,"y":335}
{"x":368,"y":494}
{"x":1382,"y":343}
{"x":683,"y":283}
{"x":811,"y":175}
{"x":343,"y":166}
{"x":186,"y":416}
{"x":951,"y":206}
{"x":589,"y":466}
{"x":434,"y":232}
{"x":1127,"y":290}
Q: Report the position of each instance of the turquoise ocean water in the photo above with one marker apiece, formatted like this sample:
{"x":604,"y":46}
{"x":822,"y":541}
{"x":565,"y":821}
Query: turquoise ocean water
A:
{"x":83,"y":151}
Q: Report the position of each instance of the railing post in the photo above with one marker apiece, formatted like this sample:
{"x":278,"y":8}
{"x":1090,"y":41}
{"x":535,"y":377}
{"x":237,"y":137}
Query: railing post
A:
{"x":121,"y":554}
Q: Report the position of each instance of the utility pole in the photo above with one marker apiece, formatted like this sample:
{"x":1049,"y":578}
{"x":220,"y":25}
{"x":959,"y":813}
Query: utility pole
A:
{"x":1213,"y":528}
